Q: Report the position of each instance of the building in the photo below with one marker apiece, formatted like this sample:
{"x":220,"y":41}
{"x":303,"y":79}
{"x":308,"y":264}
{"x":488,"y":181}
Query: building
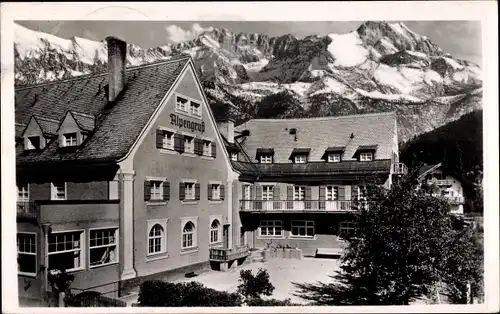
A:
{"x":446,"y":184}
{"x":298,"y":178}
{"x":121,"y":176}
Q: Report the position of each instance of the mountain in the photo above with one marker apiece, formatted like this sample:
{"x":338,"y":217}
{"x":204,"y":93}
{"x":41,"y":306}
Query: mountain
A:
{"x":378,"y":67}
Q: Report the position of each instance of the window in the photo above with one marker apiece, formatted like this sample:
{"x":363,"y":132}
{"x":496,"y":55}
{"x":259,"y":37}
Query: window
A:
{"x":195,"y":108}
{"x":189,"y":144}
{"x":181,"y":103}
{"x":65,"y":250}
{"x":366,"y":156}
{"x":333,"y":157}
{"x":267,"y":192}
{"x":234,"y":156}
{"x":299,"y":193}
{"x":207,"y":148}
{"x":332,"y":192}
{"x":271,"y":228}
{"x":26,"y":253}
{"x":348,"y":229}
{"x":266,"y":159}
{"x":156,"y":190}
{"x":188,"y":235}
{"x":189,"y":190}
{"x":215,"y":191}
{"x":300,"y":159}
{"x":214,"y":231}
{"x":58,"y":190}
{"x":33,"y":142}
{"x":70,"y":139}
{"x":23,"y":193}
{"x":302,"y":228}
{"x":168,"y":140}
{"x":156,"y":241}
{"x":103,"y":247}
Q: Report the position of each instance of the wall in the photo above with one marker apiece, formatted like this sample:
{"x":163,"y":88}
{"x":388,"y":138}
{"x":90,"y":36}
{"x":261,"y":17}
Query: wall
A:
{"x":95,"y":190}
{"x":175,"y":167}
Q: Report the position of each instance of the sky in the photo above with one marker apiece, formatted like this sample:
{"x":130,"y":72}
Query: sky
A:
{"x":462,"y":39}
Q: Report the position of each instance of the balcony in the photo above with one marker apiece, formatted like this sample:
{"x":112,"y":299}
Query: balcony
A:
{"x":456,"y":199}
{"x":304,"y":205}
{"x":399,"y":168}
{"x":440,"y":182}
{"x":226,"y":255}
{"x":28,"y":210}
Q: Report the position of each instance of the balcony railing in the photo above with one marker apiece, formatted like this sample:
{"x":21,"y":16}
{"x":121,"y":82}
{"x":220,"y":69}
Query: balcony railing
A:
{"x":303,"y":205}
{"x":28,"y":210}
{"x":440,"y":182}
{"x":399,"y":168}
{"x":227,"y":254}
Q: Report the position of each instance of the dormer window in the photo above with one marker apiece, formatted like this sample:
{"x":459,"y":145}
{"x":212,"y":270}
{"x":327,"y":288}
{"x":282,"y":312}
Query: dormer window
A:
{"x":266,"y":159}
{"x":366,"y":156}
{"x":33,"y":142}
{"x":334,"y":157}
{"x":234,"y":156}
{"x":70,"y":139}
{"x":300,"y":159}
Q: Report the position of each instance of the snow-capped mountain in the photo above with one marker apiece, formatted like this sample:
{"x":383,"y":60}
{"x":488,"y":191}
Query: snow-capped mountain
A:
{"x":378,"y":67}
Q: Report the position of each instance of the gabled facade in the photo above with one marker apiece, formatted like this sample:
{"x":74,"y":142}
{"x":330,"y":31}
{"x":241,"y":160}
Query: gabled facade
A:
{"x":444,"y":184}
{"x":129,"y":179}
{"x":299,"y":178}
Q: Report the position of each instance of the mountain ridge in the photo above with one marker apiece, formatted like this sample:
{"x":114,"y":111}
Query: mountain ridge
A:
{"x":379,"y":66}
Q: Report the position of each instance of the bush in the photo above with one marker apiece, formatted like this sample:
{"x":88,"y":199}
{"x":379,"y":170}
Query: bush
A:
{"x":254,"y":286}
{"x":269,"y":302}
{"x":166,"y":294}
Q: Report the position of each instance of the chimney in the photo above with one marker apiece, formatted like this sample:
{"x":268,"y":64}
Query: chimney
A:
{"x":226,"y":127}
{"x":117,"y":60}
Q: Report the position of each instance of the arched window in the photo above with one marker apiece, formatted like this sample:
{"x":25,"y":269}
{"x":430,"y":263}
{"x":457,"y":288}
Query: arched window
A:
{"x":214,"y":231}
{"x":156,"y":241}
{"x":188,"y":235}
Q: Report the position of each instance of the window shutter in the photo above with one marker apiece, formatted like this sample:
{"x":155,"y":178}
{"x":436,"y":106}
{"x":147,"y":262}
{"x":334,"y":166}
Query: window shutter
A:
{"x":251,"y":192}
{"x":197,"y":191}
{"x":198,"y":146}
{"x":354,"y":192}
{"x":147,"y":190}
{"x":341,"y":193}
{"x":159,"y":138}
{"x":307,"y":193}
{"x":289,"y":192}
{"x":214,"y":150}
{"x":182,"y":191}
{"x":179,"y":143}
{"x":258,"y":191}
{"x":276,"y":193}
{"x":322,"y":197}
{"x":222,"y":191}
{"x":209,"y":192}
{"x":243,"y":192}
{"x":166,"y":191}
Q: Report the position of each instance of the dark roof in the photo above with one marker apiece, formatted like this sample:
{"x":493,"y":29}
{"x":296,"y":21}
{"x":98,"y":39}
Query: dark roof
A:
{"x":301,"y":151}
{"x":84,"y":121}
{"x":335,"y":149}
{"x":19,"y":129}
{"x":49,"y":126}
{"x":265,"y":151}
{"x":426,"y":169}
{"x":321,"y":133}
{"x":117,"y":125}
{"x":232,"y":147}
{"x":367,"y":147}
{"x":314,"y":168}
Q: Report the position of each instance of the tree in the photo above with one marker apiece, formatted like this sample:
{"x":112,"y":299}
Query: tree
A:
{"x":276,"y":105}
{"x":254,"y":286}
{"x":403,"y":248}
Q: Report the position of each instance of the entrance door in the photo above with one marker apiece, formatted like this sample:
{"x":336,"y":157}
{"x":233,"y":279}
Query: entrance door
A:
{"x":225,"y":236}
{"x":247,"y":197}
{"x":299,"y":194}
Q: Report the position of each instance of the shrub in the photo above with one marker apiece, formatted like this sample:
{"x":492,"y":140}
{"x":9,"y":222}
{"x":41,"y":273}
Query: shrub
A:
{"x":269,"y":302}
{"x":167,"y":294}
{"x":254,"y":286}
